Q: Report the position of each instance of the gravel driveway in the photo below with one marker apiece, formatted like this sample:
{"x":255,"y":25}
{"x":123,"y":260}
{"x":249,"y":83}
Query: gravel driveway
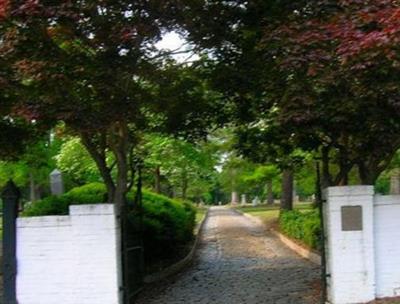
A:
{"x":238,"y":262}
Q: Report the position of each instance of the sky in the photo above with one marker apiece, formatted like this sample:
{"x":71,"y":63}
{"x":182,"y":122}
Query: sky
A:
{"x":173,"y":41}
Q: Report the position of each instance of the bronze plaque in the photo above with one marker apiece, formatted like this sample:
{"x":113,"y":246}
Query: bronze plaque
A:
{"x":352,"y":218}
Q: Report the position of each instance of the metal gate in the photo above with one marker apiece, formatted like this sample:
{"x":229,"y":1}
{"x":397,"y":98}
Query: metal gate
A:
{"x":132,"y":245}
{"x":320,"y":203}
{"x":10,"y":199}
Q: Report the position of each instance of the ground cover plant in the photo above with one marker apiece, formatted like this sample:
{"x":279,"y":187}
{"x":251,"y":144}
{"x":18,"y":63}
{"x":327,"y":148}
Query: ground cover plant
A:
{"x":302,"y":223}
{"x":302,"y":226}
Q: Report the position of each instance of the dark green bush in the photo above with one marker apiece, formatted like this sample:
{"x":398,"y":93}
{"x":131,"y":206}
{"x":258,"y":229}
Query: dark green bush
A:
{"x":52,"y":205}
{"x":168,"y":224}
{"x":303,"y":226}
{"x":93,"y":193}
{"x":58,"y":205}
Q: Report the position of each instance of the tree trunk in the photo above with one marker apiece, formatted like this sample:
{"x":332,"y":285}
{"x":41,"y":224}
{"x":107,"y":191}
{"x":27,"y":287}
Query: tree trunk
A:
{"x":344,"y":181}
{"x":367,"y":175}
{"x":99,"y":157}
{"x":157,"y":180}
{"x":121,"y":188}
{"x":287,"y":190}
{"x":370,"y":169}
{"x":118,"y":141}
{"x":395,"y":182}
{"x":32,"y":188}
{"x":120,"y":147}
{"x":184,"y":185}
{"x":326,"y":178}
{"x":270,"y":194}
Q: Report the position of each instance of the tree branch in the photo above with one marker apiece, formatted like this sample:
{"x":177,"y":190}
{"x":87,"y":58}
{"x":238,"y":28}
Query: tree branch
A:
{"x":98,"y":155}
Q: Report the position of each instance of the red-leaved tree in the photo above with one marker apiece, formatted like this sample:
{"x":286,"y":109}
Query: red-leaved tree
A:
{"x":341,"y":64}
{"x":93,"y":65}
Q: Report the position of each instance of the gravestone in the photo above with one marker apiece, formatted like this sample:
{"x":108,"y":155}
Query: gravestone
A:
{"x":56,"y":182}
{"x":296,"y":197}
{"x":234,"y":198}
{"x":243,"y":199}
{"x":255,"y":201}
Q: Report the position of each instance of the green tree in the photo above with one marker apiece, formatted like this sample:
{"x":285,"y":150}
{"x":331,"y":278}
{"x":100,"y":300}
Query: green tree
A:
{"x":233,"y":175}
{"x":265,"y":174}
{"x":95,"y":67}
{"x":32,"y":168}
{"x":74,"y":160}
{"x":333,"y":52}
{"x":313,"y":63}
{"x":188,"y":167}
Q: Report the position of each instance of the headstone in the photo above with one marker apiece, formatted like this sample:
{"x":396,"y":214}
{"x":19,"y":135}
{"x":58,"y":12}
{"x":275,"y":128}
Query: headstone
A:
{"x":296,"y":198}
{"x":234,"y":198}
{"x":56,"y":182}
{"x":243,"y":199}
{"x":255,"y":201}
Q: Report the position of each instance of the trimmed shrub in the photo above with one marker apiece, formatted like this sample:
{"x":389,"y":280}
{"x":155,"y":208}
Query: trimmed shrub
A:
{"x":303,"y":226}
{"x":52,"y":205}
{"x":58,"y":205}
{"x":93,"y":193}
{"x":168,"y":224}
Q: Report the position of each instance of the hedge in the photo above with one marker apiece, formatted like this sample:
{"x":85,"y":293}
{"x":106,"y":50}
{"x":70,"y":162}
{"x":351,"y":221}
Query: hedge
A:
{"x":303,"y":226}
{"x":58,"y":205}
{"x":168,"y":224}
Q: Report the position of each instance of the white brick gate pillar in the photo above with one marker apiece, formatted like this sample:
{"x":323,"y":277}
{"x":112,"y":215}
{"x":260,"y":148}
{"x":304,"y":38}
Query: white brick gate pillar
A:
{"x":349,"y":244}
{"x":72,"y":259}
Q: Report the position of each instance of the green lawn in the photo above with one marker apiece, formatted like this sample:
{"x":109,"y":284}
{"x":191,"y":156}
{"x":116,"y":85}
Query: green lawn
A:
{"x":271,"y":213}
{"x":265,"y":212}
{"x":201,"y":212}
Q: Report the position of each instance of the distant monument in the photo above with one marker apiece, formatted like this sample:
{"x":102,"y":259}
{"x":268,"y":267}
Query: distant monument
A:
{"x":243,"y":200}
{"x":255,"y":201}
{"x":56,"y":182}
{"x":234,"y":198}
{"x":296,"y":197}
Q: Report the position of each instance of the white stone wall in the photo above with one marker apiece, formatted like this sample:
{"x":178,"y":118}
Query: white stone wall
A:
{"x":350,"y":255}
{"x":69,"y":259}
{"x":387,"y":245}
{"x":363,"y":265}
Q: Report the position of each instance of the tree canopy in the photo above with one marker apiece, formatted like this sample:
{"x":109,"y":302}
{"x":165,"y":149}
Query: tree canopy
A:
{"x":95,"y":67}
{"x":298,"y":80}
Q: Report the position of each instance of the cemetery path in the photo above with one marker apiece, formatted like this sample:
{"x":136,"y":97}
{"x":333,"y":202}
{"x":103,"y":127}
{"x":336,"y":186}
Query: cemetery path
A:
{"x":238,"y":262}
